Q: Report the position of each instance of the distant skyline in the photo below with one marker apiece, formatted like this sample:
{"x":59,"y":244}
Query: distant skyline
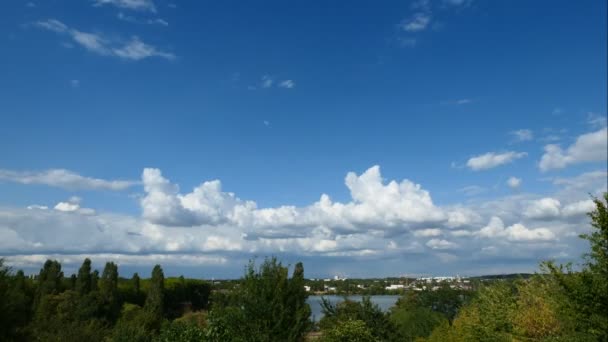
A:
{"x":365,"y":139}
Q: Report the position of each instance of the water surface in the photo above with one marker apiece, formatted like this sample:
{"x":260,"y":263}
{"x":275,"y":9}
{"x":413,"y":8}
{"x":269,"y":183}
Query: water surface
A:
{"x":384,"y":302}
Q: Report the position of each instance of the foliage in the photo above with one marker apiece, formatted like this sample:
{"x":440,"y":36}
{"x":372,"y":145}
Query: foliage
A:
{"x":179,"y":331}
{"x":155,"y":298}
{"x":349,"y":331}
{"x":366,"y":311}
{"x":587,"y":290}
{"x":414,"y":322}
{"x":442,"y":299}
{"x":135,"y":325}
{"x":267,"y":306}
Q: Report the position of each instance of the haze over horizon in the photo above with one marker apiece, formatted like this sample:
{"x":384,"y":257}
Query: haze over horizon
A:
{"x":434,"y":137}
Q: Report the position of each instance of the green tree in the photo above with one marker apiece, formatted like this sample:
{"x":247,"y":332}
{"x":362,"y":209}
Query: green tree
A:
{"x":267,"y":306}
{"x":156,"y":293}
{"x":49,"y":280}
{"x":366,"y":311}
{"x":349,"y":331}
{"x":136,"y":283}
{"x":587,"y":290}
{"x":83,"y":280}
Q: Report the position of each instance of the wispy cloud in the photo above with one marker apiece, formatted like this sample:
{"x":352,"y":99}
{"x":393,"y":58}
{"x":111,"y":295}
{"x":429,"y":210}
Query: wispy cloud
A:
{"x":522,"y":135}
{"x":133,"y":49}
{"x":492,"y":159}
{"x":266,"y":82}
{"x":65,"y":179}
{"x":132,"y":19}
{"x":139,"y":5}
{"x":288,"y":84}
{"x":418,"y":22}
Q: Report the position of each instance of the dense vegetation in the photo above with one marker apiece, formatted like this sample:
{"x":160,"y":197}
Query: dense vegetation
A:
{"x":558,"y":304}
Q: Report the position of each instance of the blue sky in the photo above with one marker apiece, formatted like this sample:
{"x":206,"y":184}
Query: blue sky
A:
{"x":490,"y":117}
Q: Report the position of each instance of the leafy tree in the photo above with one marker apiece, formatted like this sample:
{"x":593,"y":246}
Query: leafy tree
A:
{"x":67,"y":317}
{"x":49,"y":280}
{"x":267,"y":306}
{"x":14,"y":304}
{"x":349,"y":331}
{"x":365,"y":311}
{"x":108,"y":290}
{"x":83,"y":281}
{"x":179,"y":331}
{"x":136,"y":283}
{"x":414,"y":322}
{"x":587,"y":290}
{"x":135,"y":325}
{"x":94,"y":280}
{"x":155,"y":298}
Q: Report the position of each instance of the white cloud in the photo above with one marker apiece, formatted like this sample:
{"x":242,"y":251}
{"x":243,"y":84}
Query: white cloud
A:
{"x":134,"y":49}
{"x":517,"y":232}
{"x":427,"y":232}
{"x":140,"y":5}
{"x":522,"y":135}
{"x":382,"y":220}
{"x":418,"y":22}
{"x":545,"y":208}
{"x":440,"y":244}
{"x":73,"y":206}
{"x":75,"y":83}
{"x":158,"y":21}
{"x":588,"y":147}
{"x":492,"y":159}
{"x":52,"y":25}
{"x":514,"y":182}
{"x":578,"y":208}
{"x":374,"y":205}
{"x":287,"y":84}
{"x":65,"y":179}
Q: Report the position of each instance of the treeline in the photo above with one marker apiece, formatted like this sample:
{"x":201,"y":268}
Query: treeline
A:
{"x":92,"y":306}
{"x":266,"y":305}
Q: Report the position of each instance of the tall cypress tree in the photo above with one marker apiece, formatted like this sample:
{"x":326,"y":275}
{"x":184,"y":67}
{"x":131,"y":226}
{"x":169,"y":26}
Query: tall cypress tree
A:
{"x":297,"y":308}
{"x":83,"y":282}
{"x":94,"y":280}
{"x":156,"y":293}
{"x":49,"y":280}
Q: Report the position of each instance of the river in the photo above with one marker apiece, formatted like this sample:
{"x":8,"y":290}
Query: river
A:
{"x":384,"y":302}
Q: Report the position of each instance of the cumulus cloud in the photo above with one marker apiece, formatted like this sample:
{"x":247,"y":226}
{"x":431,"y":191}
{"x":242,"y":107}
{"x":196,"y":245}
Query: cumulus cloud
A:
{"x":140,"y":5}
{"x":65,"y":179}
{"x":588,"y":147}
{"x":440,"y":244}
{"x":514,"y":182}
{"x":73,"y":206}
{"x":134,"y":49}
{"x":578,"y":208}
{"x":374,"y":205}
{"x":492,"y":159}
{"x":515,"y":232}
{"x":382,"y":220}
{"x":545,"y":208}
